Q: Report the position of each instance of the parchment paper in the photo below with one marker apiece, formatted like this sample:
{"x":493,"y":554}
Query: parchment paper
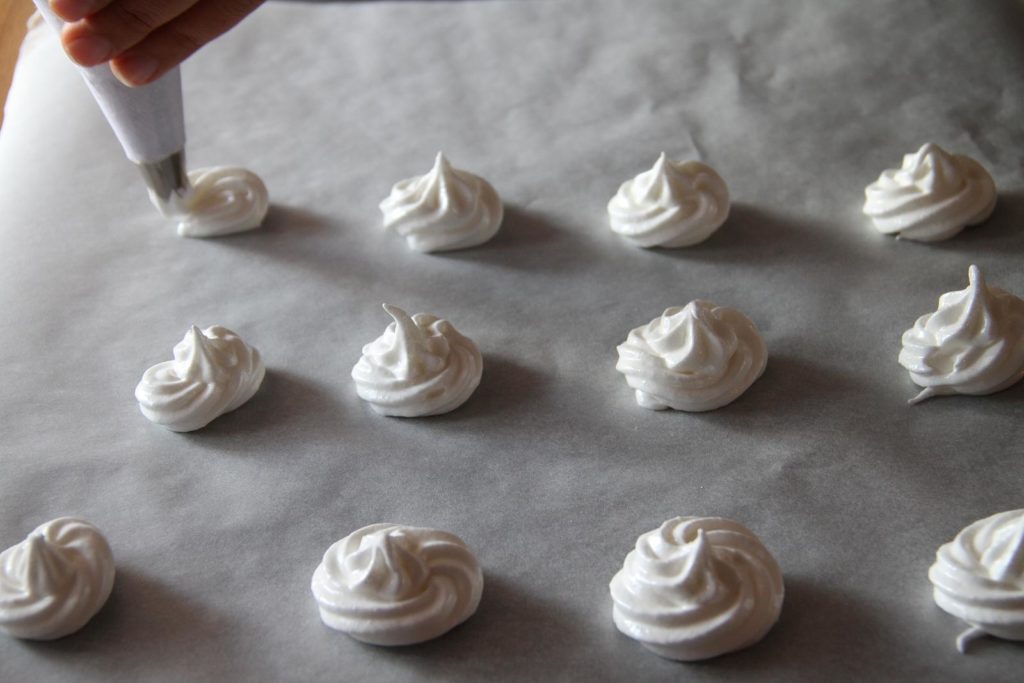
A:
{"x":551,"y":470}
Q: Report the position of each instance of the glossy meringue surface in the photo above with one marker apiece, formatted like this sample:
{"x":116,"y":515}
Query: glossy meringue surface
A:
{"x":213,"y":372}
{"x":932,"y":196}
{"x":55,"y":581}
{"x":696,"y":588}
{"x":695,"y":358}
{"x":224,"y":200}
{"x":389,"y":584}
{"x":675,"y":204}
{"x":972,"y":344}
{"x":445,"y":209}
{"x":979,"y":577}
{"x":420,"y":366}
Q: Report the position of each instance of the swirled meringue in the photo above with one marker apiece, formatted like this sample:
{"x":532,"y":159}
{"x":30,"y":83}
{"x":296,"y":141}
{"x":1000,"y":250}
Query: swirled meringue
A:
{"x":443,"y":210}
{"x":420,"y":366}
{"x":671,"y":205}
{"x":213,"y":372}
{"x":979,"y":577}
{"x":388,"y":584}
{"x":973,"y":344}
{"x":223,"y":200}
{"x":696,"y":588}
{"x":932,"y":197}
{"x":55,"y":581}
{"x":696,"y":358}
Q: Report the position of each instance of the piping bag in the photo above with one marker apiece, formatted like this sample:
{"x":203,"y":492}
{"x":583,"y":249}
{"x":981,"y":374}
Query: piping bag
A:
{"x":149,"y":122}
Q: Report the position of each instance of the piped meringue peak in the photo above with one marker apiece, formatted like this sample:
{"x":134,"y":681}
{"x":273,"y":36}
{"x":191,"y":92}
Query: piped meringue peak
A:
{"x":213,"y":372}
{"x":388,"y":584}
{"x":979,"y":577}
{"x":224,"y":200}
{"x":695,"y":358}
{"x":696,"y":588}
{"x":973,"y":344}
{"x":443,"y":210}
{"x":420,"y":366}
{"x":671,"y":205}
{"x":932,"y":196}
{"x":55,"y":581}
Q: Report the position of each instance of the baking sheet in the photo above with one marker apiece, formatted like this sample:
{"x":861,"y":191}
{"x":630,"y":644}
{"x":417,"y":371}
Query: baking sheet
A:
{"x":551,"y":470}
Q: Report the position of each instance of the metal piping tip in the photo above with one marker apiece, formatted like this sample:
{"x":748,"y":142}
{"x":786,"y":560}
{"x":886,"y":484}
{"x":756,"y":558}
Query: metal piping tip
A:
{"x":167,"y":180}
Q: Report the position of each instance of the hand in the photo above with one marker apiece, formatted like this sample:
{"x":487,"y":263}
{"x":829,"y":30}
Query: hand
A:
{"x":142,"y":39}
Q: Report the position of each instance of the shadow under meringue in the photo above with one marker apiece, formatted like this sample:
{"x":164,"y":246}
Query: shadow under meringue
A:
{"x":285,"y":401}
{"x":291,"y":221}
{"x":792,"y":388}
{"x":141,"y":613}
{"x":754,"y":235}
{"x":1002,"y":233}
{"x":505,"y":386}
{"x":512,"y":629}
{"x":527,"y":240}
{"x":814,"y":629}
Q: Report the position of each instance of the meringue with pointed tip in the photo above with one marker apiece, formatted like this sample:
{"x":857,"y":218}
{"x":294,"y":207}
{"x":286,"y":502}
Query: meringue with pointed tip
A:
{"x":973,"y":344}
{"x":696,"y":588}
{"x":979,"y":577}
{"x":695,"y":358}
{"x":213,"y":372}
{"x":931,"y":197}
{"x":420,"y":366}
{"x":443,"y":210}
{"x":55,"y":581}
{"x":223,"y":200}
{"x":675,"y":204}
{"x":388,"y":584}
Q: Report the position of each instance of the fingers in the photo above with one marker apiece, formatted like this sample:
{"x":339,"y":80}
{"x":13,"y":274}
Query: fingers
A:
{"x":73,"y":10}
{"x":143,"y":39}
{"x":116,"y":27}
{"x":172,"y":43}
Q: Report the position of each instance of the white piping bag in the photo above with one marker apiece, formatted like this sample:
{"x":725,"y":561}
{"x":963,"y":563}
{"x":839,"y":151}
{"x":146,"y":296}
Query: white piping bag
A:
{"x":149,"y":121}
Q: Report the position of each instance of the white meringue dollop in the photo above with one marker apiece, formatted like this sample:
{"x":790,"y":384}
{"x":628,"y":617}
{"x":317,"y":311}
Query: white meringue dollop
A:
{"x":55,"y":581}
{"x":213,"y":372}
{"x":979,"y":577}
{"x":223,"y":200}
{"x":671,"y":205}
{"x":696,"y":358}
{"x":420,"y":366}
{"x":696,"y":588}
{"x":388,"y":584}
{"x":933,"y":196}
{"x":973,"y":344}
{"x":443,"y":210}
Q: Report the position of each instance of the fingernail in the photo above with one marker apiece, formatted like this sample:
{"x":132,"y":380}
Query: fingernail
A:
{"x":90,"y":50}
{"x":134,"y":69}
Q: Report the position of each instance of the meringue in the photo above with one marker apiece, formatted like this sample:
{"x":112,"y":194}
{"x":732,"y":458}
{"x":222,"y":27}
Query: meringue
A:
{"x":55,"y":581}
{"x":973,"y":344}
{"x":671,"y":205}
{"x":213,"y":372}
{"x":696,"y":588}
{"x":932,"y":197}
{"x":223,"y":200}
{"x":420,"y":366}
{"x":979,"y":577}
{"x":388,"y":584}
{"x":696,"y":358}
{"x":443,"y":210}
